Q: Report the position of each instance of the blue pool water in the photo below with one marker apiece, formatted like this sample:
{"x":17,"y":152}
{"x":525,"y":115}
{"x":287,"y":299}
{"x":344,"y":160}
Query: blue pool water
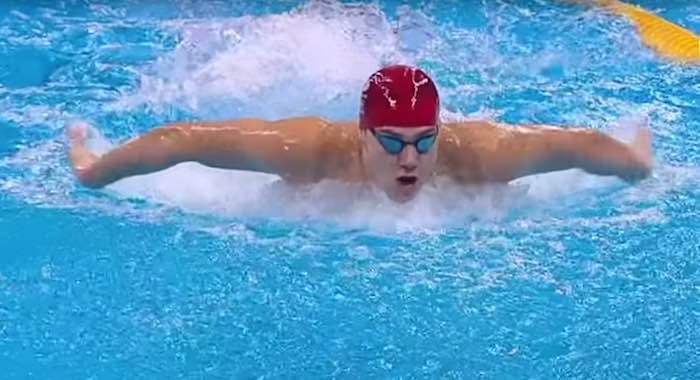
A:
{"x":195,"y":273}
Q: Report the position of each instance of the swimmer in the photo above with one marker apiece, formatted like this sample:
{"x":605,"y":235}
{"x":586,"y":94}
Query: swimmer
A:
{"x":397,"y":145}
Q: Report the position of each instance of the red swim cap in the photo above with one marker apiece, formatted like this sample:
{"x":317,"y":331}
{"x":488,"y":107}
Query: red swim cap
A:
{"x":399,"y":96}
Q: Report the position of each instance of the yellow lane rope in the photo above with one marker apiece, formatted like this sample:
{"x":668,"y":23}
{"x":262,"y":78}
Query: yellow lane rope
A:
{"x":666,"y":38}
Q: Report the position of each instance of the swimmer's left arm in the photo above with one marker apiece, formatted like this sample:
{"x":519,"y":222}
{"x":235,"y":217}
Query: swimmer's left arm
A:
{"x":527,"y":150}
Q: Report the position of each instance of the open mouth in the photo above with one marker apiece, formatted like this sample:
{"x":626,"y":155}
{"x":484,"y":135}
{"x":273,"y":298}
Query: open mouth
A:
{"x":407,"y":180}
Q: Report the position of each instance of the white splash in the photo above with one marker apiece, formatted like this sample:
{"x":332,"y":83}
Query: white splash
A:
{"x":312,"y":60}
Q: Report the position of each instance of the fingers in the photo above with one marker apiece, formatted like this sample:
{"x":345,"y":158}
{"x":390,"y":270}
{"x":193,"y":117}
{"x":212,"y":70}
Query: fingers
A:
{"x":642,"y":144}
{"x":77,"y":132}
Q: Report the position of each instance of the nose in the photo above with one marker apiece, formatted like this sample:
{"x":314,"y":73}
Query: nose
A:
{"x":408,"y":159}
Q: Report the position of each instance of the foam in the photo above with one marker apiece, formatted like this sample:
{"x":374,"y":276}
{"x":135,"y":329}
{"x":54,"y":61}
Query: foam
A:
{"x":312,"y":60}
{"x":237,"y":194}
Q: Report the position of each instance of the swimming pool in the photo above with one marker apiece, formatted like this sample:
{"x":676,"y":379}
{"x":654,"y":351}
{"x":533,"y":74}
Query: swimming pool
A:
{"x":196,"y":273}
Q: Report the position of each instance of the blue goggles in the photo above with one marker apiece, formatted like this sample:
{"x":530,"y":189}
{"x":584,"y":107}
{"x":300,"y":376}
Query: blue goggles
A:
{"x":394,"y":145}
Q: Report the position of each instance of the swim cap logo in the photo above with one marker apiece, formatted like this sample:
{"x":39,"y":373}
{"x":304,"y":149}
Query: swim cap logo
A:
{"x":378,"y":79}
{"x":390,"y":97}
{"x":423,"y":81}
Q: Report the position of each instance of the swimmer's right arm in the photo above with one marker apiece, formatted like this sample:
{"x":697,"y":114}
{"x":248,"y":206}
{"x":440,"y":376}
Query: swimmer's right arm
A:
{"x":283,"y":147}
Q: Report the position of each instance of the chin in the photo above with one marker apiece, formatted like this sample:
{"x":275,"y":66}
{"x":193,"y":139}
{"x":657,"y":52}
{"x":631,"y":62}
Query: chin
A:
{"x":403,"y":195}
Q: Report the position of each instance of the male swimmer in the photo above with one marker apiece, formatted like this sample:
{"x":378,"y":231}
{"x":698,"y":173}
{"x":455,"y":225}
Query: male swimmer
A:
{"x":398,"y":145}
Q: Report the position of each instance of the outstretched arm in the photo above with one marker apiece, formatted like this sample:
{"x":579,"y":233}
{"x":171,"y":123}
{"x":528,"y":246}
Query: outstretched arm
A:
{"x":286,"y":147}
{"x":526,"y":150}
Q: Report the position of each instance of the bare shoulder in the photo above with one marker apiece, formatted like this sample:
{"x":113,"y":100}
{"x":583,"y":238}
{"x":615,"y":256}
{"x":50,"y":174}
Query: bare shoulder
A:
{"x":301,"y":131}
{"x":483,"y":137}
{"x":475,"y":129}
{"x":329,"y":148}
{"x":332,"y":146}
{"x":467,"y":146}
{"x":305,"y":124}
{"x":311,"y":125}
{"x":317,"y":131}
{"x":300,"y":149}
{"x":339,"y":151}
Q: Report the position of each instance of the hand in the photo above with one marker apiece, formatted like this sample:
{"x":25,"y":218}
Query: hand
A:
{"x":82,"y":160}
{"x":640,"y":148}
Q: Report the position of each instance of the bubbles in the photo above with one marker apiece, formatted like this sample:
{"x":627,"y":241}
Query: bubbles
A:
{"x":312,"y":60}
{"x":239,"y":194}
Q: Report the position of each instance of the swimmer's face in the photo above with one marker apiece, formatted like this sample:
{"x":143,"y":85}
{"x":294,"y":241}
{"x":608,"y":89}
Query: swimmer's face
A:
{"x":400,"y":160}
